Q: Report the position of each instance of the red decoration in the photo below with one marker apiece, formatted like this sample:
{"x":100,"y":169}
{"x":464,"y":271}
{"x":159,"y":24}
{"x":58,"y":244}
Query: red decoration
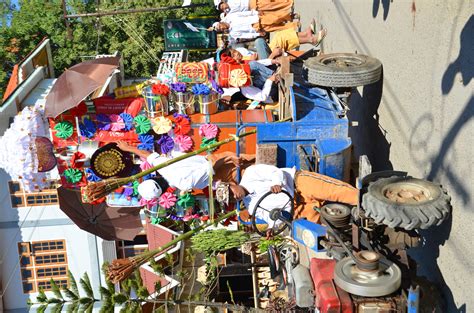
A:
{"x":170,"y":189}
{"x":74,"y":160}
{"x":79,"y":110}
{"x":182,"y":126}
{"x":160,"y":89}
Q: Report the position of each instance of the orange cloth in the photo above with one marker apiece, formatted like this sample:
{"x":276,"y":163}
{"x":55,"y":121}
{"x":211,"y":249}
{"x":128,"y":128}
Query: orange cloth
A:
{"x":313,"y":190}
{"x":286,"y":39}
{"x":274,"y":14}
{"x":227,"y":172}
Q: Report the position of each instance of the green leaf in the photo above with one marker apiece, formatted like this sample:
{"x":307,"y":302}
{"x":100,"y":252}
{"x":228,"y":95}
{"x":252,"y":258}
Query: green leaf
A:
{"x":42,"y":308}
{"x":55,"y":300}
{"x":55,"y":289}
{"x":85,"y":300}
{"x":119,"y":298}
{"x":57,"y":308}
{"x":104,"y":293}
{"x":107,"y":307}
{"x":86,"y":285}
{"x":73,"y":307}
{"x":142,"y":293}
{"x":70,"y":294}
{"x":89,"y":308}
{"x":41,"y":297}
{"x":73,"y":283}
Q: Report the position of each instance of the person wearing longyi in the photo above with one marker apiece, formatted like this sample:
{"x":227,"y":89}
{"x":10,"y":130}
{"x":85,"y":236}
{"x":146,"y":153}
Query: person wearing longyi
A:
{"x":185,"y":175}
{"x":313,"y":190}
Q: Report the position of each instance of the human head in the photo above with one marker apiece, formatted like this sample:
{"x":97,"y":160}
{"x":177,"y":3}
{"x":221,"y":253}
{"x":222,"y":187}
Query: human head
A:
{"x":236,"y":55}
{"x":220,"y":26}
{"x":153,"y":188}
{"x":223,"y":6}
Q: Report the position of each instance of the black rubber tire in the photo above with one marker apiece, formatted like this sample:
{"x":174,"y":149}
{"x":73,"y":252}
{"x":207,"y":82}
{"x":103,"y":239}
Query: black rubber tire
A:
{"x":361,"y":70}
{"x":422,"y":214}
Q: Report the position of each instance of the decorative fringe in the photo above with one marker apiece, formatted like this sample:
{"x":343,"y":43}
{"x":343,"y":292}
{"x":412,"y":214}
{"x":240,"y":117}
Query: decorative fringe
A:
{"x":94,"y":191}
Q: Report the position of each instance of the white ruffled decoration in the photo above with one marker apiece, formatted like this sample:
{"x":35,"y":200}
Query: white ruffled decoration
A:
{"x":18,"y":149}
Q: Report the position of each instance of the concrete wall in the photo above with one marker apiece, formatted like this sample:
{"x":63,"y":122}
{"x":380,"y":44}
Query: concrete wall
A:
{"x":420,"y":118}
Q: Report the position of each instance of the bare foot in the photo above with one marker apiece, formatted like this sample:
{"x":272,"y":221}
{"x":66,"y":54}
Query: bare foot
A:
{"x":316,"y":40}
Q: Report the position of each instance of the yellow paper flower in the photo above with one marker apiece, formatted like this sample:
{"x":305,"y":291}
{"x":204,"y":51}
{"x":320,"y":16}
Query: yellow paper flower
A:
{"x":161,"y":125}
{"x":238,"y":78}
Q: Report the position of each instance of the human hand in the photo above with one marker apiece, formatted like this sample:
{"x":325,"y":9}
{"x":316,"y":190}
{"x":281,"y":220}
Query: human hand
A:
{"x":125,"y":146}
{"x":274,"y":78}
{"x":237,"y":191}
{"x":276,"y":61}
{"x":276,"y":189}
{"x":277,"y":52}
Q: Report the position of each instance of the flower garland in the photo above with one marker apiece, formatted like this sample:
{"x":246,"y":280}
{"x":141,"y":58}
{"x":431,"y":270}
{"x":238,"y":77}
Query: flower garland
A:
{"x":178,"y":87}
{"x":103,"y":121}
{"x":182,"y":126}
{"x":162,"y":125}
{"x":127,"y":120}
{"x":87,"y":128}
{"x":201,"y":89}
{"x":146,"y":142}
{"x":142,"y":124}
{"x":72,"y":175}
{"x":91,"y":176}
{"x":64,"y":129}
{"x":166,"y":144}
{"x":160,"y":89}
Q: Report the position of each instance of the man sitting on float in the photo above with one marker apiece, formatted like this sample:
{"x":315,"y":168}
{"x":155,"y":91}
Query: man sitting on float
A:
{"x":310,"y":190}
{"x":190,"y":173}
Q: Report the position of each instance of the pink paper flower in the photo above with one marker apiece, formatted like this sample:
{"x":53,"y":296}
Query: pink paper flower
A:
{"x":189,"y":217}
{"x":184,"y":142}
{"x":117,"y":123}
{"x":167,"y":200}
{"x":208,"y":130}
{"x":145,"y":166}
{"x":148,"y":203}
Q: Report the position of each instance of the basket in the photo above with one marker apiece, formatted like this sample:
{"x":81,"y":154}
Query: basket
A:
{"x":208,"y":104}
{"x":184,"y":102}
{"x":155,"y":105}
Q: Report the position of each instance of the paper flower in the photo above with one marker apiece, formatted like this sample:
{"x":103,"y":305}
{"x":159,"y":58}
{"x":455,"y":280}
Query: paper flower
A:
{"x":117,"y":123}
{"x":176,"y":115}
{"x":145,"y":166}
{"x":216,"y":87}
{"x":74,"y":159}
{"x":178,"y":87}
{"x":64,"y":129}
{"x":184,"y":142}
{"x":103,"y":121}
{"x":127,"y":191}
{"x":167,"y":200}
{"x":127,"y":120}
{"x":91,"y":176}
{"x":146,"y":142}
{"x":201,"y":89}
{"x":156,"y":220}
{"x":135,"y":188}
{"x":182,"y":126}
{"x":208,"y":130}
{"x":162,"y":125}
{"x":148,"y":203}
{"x":87,"y":128}
{"x":160,"y":89}
{"x":72,"y":175}
{"x":142,"y":124}
{"x":189,"y":217}
{"x":175,"y":218}
{"x":166,"y":144}
{"x":207,"y":142}
{"x":187,"y":200}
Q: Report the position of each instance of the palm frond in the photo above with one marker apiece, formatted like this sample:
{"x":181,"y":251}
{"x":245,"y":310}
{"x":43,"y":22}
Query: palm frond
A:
{"x":72,"y":281}
{"x":86,"y":286}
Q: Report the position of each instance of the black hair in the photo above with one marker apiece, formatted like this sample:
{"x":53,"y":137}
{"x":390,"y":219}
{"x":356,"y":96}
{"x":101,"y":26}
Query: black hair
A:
{"x":219,"y":6}
{"x":161,"y":181}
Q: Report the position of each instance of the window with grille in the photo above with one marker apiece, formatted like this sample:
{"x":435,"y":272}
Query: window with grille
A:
{"x":40,"y":261}
{"x":20,"y":198}
{"x":127,"y":249}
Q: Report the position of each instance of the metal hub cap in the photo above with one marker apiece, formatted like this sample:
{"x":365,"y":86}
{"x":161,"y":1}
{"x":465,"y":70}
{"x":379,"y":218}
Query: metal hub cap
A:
{"x":406,"y":193}
{"x":365,"y":283}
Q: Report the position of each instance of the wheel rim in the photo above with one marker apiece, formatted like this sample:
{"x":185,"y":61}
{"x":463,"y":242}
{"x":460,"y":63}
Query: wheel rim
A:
{"x":342,"y":61}
{"x":407,"y":193}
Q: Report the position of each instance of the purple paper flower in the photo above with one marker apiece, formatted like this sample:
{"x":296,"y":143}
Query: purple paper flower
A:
{"x":216,"y":87}
{"x":103,"y":121}
{"x":146,"y":142}
{"x":127,"y":191}
{"x":201,"y":89}
{"x":179,"y":87}
{"x":166,"y":144}
{"x":176,"y":115}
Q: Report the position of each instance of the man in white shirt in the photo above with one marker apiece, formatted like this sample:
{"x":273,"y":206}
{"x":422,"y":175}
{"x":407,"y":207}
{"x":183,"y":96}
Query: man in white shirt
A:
{"x":312,"y":190}
{"x":185,"y":175}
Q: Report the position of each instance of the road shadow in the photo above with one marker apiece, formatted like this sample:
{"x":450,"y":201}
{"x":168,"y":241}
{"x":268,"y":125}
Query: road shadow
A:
{"x":385,"y":6}
{"x":464,"y":63}
{"x":426,"y":257}
{"x":368,"y":137}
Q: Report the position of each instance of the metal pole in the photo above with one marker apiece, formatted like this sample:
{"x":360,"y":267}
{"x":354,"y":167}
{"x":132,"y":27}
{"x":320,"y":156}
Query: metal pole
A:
{"x":129,"y":11}
{"x":66,"y":22}
{"x":253,"y":259}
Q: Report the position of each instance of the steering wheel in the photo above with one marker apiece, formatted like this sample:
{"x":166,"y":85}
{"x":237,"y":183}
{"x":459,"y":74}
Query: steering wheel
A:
{"x":274,"y":214}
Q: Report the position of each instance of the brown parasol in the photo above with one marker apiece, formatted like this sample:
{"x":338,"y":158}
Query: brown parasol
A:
{"x":109,"y":223}
{"x":77,"y":82}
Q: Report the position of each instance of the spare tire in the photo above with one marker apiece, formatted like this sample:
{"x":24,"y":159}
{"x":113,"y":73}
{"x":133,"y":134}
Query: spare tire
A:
{"x":406,"y":202}
{"x":342,"y":70}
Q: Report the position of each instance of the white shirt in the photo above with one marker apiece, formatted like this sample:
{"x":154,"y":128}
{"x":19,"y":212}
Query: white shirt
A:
{"x":186,"y":174}
{"x":254,"y":93}
{"x":238,"y":5}
{"x":258,"y":179}
{"x":241,"y":25}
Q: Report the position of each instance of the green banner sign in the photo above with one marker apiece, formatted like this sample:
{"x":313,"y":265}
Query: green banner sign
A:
{"x":189,"y":34}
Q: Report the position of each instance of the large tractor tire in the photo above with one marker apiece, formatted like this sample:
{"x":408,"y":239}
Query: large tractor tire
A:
{"x":406,"y":202}
{"x":342,"y":70}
